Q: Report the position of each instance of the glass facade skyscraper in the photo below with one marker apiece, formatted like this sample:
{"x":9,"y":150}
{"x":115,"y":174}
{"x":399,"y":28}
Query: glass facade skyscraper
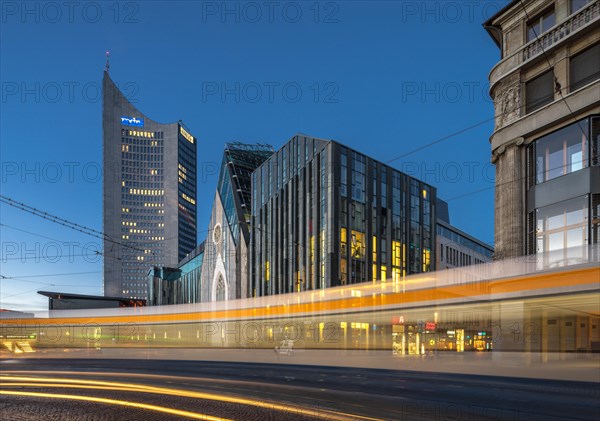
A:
{"x":325,"y":215}
{"x":149,"y":194}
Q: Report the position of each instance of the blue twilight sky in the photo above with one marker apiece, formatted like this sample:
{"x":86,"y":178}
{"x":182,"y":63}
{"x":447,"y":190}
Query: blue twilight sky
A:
{"x":382,"y":77}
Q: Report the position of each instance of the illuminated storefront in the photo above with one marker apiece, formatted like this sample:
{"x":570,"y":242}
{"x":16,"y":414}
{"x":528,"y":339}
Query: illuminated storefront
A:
{"x":417,"y":337}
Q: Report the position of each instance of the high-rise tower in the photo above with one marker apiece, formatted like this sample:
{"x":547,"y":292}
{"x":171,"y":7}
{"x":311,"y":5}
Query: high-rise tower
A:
{"x":149,"y":194}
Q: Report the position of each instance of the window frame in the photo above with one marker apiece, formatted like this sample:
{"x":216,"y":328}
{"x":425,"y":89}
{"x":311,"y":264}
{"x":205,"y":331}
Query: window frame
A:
{"x":584,"y":82}
{"x":534,"y":107}
{"x":533,"y":168}
{"x":583,"y":4}
{"x":539,"y":19}
{"x":543,"y":235}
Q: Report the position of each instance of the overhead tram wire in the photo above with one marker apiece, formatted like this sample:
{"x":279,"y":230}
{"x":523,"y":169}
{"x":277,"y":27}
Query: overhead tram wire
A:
{"x":91,"y":253}
{"x":64,"y":222}
{"x":32,"y":233}
{"x":557,"y":86}
{"x":510,"y":181}
{"x":440,"y":140}
{"x":451,"y":135}
{"x":51,"y":274}
{"x":454,"y":134}
{"x":26,"y":257}
{"x":558,"y":89}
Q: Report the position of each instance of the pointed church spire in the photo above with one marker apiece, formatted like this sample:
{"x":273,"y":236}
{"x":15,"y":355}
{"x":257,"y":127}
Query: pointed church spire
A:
{"x":107,"y":63}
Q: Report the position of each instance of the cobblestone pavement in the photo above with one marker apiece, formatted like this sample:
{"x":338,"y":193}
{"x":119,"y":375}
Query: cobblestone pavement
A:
{"x":270,"y":392}
{"x":13,"y":407}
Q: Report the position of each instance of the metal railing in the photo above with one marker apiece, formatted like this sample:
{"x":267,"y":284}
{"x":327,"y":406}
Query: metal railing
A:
{"x":575,"y":23}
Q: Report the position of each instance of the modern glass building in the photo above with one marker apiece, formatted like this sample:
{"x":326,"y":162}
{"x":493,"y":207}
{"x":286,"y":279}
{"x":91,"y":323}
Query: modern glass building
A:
{"x":181,"y":285}
{"x":225,"y":266}
{"x":149,"y":196}
{"x":325,"y":215}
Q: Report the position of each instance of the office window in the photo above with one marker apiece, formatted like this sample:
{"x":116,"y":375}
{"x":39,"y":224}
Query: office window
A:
{"x":585,"y":67}
{"x":561,"y":152}
{"x":562,"y":225}
{"x":358,"y":177}
{"x":384,"y":203}
{"x":539,"y":91}
{"x":357,"y":245}
{"x":595,"y":216}
{"x":344,"y":174}
{"x":541,"y":24}
{"x":594,"y":140}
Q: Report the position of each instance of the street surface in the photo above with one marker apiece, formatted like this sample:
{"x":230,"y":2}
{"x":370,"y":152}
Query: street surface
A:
{"x":108,"y":389}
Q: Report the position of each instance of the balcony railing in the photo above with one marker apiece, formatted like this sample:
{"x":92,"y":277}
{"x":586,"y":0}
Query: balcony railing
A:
{"x":573,"y":24}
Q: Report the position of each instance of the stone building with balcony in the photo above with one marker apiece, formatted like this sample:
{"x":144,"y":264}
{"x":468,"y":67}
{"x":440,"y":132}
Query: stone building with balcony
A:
{"x":546,"y":92}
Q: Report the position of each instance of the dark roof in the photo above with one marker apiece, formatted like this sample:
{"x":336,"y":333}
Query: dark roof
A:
{"x":500,"y":12}
{"x":488,"y":24}
{"x":239,"y":161}
{"x":464,"y":234}
{"x":66,"y":295}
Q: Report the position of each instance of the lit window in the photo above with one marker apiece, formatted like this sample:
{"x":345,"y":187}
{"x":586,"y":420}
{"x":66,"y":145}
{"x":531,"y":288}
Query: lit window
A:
{"x":562,"y":226}
{"x":358,"y":244}
{"x":562,"y":152}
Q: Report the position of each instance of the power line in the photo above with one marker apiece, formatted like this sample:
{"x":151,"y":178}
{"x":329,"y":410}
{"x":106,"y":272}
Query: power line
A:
{"x":557,"y":86}
{"x":558,"y":89}
{"x":511,"y":181}
{"x":52,"y":259}
{"x":49,"y":275}
{"x":64,"y":222}
{"x":32,"y":233}
{"x":27,"y":256}
{"x":420,"y":148}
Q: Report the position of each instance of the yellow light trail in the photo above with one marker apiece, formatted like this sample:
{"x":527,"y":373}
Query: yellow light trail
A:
{"x":8,"y":381}
{"x":537,"y":282}
{"x":156,"y":408}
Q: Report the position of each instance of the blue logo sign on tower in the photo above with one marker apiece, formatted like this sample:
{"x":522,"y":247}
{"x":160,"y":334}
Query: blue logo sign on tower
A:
{"x":132,"y":121}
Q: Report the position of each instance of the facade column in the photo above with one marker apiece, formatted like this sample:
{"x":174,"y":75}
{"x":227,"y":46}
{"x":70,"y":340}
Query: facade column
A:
{"x":509,"y":230}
